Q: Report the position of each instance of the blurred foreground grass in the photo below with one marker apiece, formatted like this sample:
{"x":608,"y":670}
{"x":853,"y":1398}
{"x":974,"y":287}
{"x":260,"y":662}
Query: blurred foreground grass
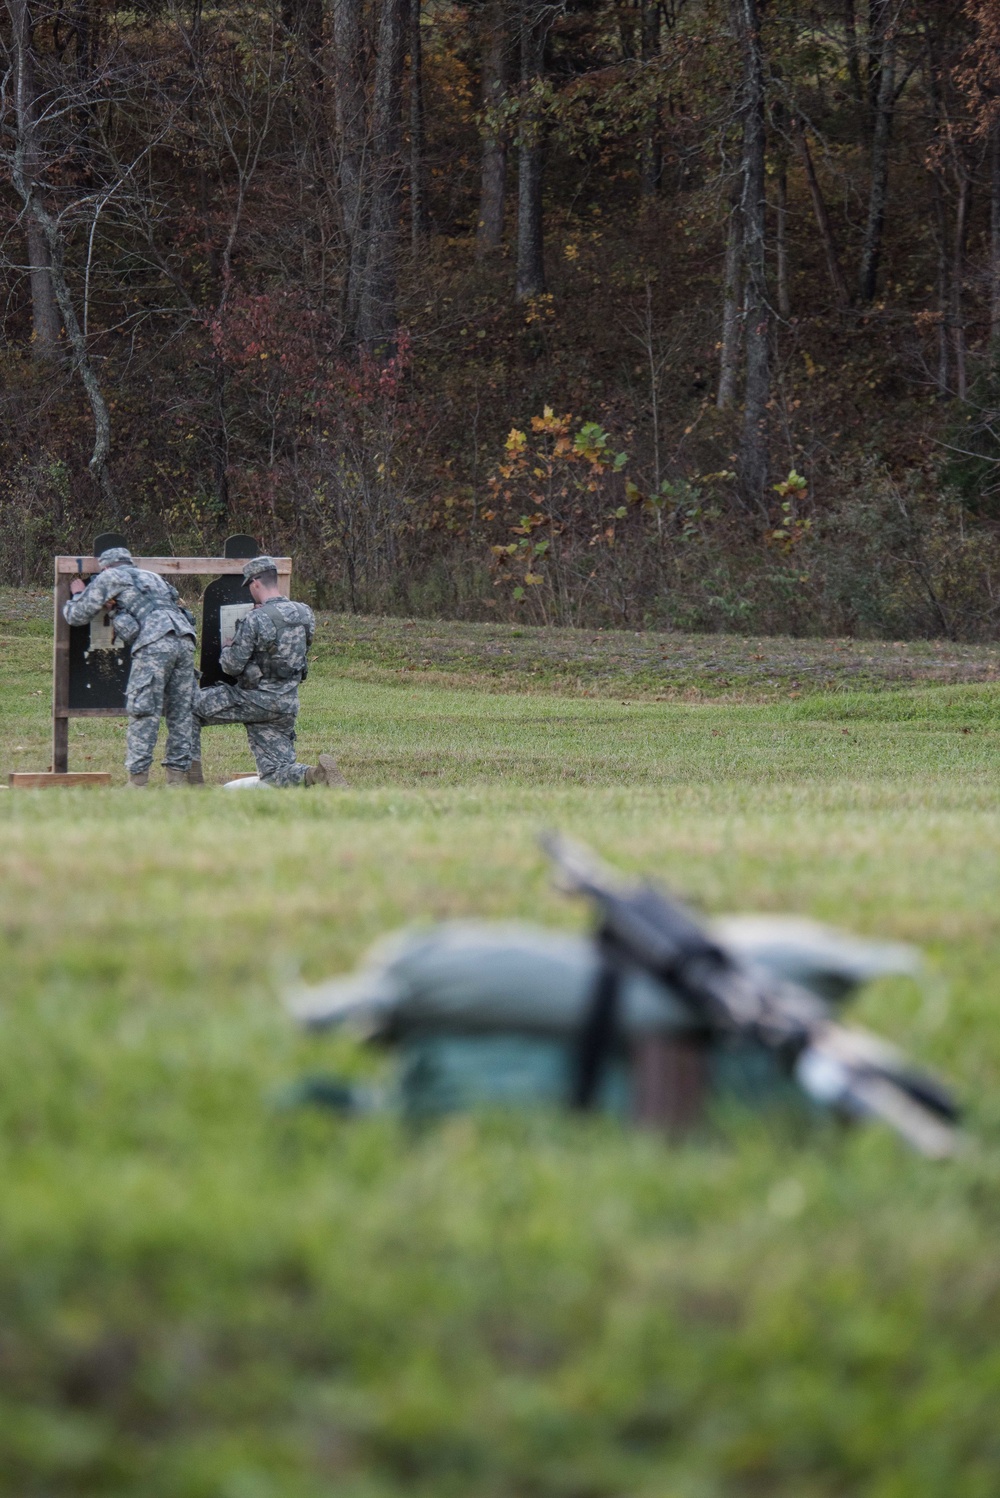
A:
{"x":204,"y":1297}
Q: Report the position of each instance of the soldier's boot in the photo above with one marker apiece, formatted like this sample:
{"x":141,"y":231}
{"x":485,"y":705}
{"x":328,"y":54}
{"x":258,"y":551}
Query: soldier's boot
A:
{"x":138,"y":782}
{"x":195,"y":774}
{"x":325,"y":772}
{"x":176,"y":777}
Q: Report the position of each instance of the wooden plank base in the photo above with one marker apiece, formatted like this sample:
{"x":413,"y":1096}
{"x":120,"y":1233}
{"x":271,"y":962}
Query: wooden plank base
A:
{"x":36,"y":780}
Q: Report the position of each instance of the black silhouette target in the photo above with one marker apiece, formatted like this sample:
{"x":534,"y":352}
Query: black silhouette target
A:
{"x":98,"y":664}
{"x":226,"y":602}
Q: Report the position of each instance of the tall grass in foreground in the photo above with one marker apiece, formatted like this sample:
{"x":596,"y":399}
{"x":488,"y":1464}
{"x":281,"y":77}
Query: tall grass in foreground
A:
{"x":204,"y":1296}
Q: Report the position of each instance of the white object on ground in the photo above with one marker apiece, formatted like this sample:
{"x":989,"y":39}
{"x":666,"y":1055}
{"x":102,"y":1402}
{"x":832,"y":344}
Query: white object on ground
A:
{"x":246,"y":783}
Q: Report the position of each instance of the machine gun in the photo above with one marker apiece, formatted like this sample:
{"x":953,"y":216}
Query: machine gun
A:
{"x":639,"y":926}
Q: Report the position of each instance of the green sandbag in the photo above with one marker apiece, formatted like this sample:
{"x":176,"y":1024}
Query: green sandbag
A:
{"x":440,"y":1073}
{"x":487,"y":1014}
{"x":474,"y":977}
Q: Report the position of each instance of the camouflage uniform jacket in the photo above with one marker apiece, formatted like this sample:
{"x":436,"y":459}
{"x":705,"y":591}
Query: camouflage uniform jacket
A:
{"x":148,"y":599}
{"x":269,"y":651}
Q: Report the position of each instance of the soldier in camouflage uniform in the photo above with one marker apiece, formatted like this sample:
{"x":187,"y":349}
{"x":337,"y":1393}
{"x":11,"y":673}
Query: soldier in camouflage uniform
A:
{"x":149,"y":616}
{"x":268,"y":659}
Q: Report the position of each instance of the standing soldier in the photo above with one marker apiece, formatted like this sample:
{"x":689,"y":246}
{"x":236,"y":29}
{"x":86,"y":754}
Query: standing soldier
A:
{"x":149,"y":616}
{"x":268,"y":659}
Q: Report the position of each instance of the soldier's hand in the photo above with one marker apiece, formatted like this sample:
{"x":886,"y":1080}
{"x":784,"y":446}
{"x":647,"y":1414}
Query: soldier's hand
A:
{"x":76,"y":585}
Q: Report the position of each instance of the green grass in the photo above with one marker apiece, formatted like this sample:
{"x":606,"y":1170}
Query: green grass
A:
{"x":204,"y":1296}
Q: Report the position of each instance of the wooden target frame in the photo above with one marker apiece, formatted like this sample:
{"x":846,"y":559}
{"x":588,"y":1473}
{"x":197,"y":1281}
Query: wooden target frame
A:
{"x":68,"y":567}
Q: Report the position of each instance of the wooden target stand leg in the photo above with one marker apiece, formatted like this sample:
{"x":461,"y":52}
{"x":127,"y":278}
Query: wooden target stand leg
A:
{"x":60,"y":746}
{"x":60,"y":679}
{"x":59,"y":774}
{"x":63,"y":706}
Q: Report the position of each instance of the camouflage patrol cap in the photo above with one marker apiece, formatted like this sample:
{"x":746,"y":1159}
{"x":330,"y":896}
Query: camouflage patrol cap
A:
{"x":115,"y":556}
{"x":258,"y":566}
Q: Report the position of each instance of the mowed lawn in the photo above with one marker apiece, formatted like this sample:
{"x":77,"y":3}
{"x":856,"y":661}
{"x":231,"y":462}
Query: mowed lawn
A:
{"x":207,"y":1295}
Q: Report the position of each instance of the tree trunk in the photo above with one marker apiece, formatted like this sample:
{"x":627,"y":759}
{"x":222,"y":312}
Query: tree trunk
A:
{"x":651,"y":157}
{"x":303,"y":20}
{"x":418,"y":199}
{"x":781,"y":242}
{"x":732,"y":281}
{"x":753,"y":463}
{"x":496,"y":81}
{"x":851,"y":47}
{"x":941,"y":279}
{"x":25,"y":166}
{"x":82,"y":23}
{"x":878,"y":25}
{"x":940,"y":206}
{"x":352,"y":130}
{"x":826,"y":234}
{"x":218,"y":437}
{"x":651,"y":163}
{"x":376,"y":328}
{"x":871,"y":252}
{"x":956,"y":318}
{"x":995,"y":235}
{"x":530,"y":248}
{"x":45,"y":319}
{"x":98,"y":465}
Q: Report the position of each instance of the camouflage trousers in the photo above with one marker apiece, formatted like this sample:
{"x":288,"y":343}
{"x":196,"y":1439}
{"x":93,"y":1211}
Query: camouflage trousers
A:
{"x":160,"y":684}
{"x":270,"y":727}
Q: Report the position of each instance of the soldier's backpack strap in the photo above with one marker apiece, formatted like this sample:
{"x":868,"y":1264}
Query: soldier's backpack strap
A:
{"x":152,"y":588}
{"x":147,"y":601}
{"x":277,"y":619}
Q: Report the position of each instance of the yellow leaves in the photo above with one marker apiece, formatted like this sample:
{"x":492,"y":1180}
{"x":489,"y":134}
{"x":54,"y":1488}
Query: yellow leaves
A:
{"x":516,"y":442}
{"x":533,"y":579}
{"x":556,"y":426}
{"x":572,"y":252}
{"x":540,"y":309}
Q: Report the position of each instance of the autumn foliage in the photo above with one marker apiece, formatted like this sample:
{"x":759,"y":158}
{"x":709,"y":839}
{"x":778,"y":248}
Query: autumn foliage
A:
{"x":476,"y":311}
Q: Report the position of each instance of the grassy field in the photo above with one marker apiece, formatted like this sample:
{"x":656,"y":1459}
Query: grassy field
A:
{"x":203,"y":1295}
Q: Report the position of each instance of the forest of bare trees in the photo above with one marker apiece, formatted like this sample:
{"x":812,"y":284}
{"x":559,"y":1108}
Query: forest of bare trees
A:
{"x":672,"y":311}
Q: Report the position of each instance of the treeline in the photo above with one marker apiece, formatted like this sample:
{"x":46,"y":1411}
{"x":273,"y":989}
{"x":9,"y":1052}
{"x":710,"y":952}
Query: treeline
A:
{"x":662,"y":311}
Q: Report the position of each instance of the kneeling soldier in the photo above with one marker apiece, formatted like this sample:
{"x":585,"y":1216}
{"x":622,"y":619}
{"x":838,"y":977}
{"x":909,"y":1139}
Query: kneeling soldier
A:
{"x":149,"y":616}
{"x":268,"y":659}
